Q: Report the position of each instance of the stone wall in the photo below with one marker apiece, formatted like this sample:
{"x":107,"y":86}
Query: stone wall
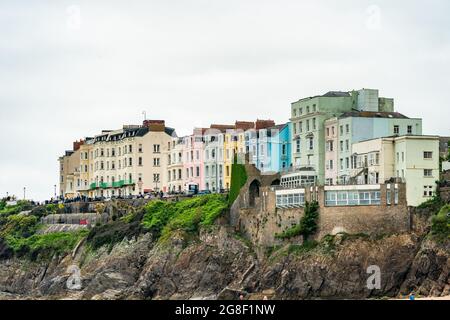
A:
{"x":262,"y":221}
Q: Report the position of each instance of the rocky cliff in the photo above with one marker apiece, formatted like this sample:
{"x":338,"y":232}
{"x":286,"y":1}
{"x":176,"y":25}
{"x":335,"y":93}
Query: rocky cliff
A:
{"x":220,"y":264}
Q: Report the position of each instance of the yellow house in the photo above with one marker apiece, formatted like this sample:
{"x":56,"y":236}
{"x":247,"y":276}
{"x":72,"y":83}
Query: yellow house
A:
{"x":234,"y":145}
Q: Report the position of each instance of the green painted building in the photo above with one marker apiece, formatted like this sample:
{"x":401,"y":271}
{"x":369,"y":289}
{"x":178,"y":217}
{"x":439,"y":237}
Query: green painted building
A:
{"x":308,"y":116}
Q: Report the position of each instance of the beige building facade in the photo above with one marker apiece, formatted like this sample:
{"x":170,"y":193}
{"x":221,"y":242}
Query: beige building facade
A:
{"x":413,"y":160}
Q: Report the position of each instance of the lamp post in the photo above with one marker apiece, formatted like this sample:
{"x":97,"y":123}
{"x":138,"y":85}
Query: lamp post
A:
{"x":55,"y":191}
{"x":24,"y":191}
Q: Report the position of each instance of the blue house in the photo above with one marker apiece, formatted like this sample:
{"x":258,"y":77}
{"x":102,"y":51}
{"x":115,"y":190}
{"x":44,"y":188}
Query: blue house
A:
{"x":270,"y":148}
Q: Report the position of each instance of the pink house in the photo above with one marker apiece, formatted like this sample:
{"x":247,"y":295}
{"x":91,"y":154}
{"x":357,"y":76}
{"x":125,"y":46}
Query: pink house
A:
{"x":193,"y":162}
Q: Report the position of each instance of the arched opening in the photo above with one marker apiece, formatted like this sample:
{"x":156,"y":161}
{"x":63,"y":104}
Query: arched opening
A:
{"x":253,"y":192}
{"x":275,"y":182}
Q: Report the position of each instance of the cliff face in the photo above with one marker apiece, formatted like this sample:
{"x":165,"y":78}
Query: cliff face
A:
{"x":218,"y":264}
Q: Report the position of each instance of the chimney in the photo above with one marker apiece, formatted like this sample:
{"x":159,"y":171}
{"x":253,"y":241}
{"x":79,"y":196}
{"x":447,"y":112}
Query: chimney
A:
{"x":263,"y":124}
{"x":77,"y":145}
{"x":155,"y":125}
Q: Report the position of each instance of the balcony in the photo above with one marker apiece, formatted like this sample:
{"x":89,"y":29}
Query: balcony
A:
{"x":104,"y":185}
{"x":93,"y":185}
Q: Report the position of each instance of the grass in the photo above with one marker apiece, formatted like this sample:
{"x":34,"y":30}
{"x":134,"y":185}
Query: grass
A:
{"x":45,"y":244}
{"x":162,"y":218}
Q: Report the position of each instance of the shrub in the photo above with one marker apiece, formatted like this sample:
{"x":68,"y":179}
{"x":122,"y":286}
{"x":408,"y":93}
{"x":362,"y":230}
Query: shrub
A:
{"x":46,"y":244}
{"x":189,"y":215}
{"x":307,"y":225}
{"x":114,"y":232}
{"x":19,"y":226}
{"x":440,"y":223}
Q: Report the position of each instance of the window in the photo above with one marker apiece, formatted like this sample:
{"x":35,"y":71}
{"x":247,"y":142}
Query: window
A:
{"x":328,"y":132}
{"x":156,"y":162}
{"x":428,"y":155}
{"x":130,"y":162}
{"x":347,"y":128}
{"x":409,"y":129}
{"x":307,"y":109}
{"x":428,"y":191}
{"x":396,"y":196}
{"x":396,"y":129}
{"x":427,"y":172}
{"x":156,"y":148}
{"x":347,"y":163}
{"x":140,"y":161}
{"x":311,"y":143}
{"x":307,"y":125}
{"x":156,"y":177}
{"x":403,"y":156}
{"x":297,"y":146}
{"x":341,"y":130}
{"x":130,"y":148}
{"x":314,"y":123}
{"x":140,"y":148}
{"x":197,"y":169}
{"x":388,"y":196}
{"x":197,"y":155}
{"x":341,"y":146}
{"x":228,"y":170}
{"x":300,"y":127}
{"x":341,"y":161}
{"x":347,"y":145}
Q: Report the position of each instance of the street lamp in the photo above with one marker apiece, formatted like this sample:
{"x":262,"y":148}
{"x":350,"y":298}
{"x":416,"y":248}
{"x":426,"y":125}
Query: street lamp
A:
{"x":55,"y":191}
{"x":24,"y":191}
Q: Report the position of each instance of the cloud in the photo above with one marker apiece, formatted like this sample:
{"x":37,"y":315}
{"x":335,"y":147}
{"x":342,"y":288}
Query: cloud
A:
{"x":199,"y":62}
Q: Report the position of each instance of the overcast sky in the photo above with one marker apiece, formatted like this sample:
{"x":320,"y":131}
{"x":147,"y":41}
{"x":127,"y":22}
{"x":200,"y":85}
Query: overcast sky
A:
{"x":71,"y":68}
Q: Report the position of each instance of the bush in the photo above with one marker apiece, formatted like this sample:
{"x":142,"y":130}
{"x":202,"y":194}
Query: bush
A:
{"x":19,"y":226}
{"x":46,"y":244}
{"x":440,"y":223}
{"x":189,"y":215}
{"x":114,"y":232}
{"x":19,"y":207}
{"x":307,"y":225}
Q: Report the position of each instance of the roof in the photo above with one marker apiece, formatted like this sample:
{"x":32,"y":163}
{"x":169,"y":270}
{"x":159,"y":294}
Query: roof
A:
{"x":129,"y":131}
{"x":221,"y":127}
{"x":336,"y":94}
{"x":373,"y":114}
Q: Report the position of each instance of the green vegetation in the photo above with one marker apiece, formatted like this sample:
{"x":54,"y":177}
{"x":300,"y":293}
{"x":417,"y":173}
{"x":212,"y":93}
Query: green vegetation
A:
{"x":46,"y":244}
{"x":161,"y":218}
{"x":440,"y":227}
{"x":129,"y":226}
{"x":19,"y":231}
{"x":19,"y":207}
{"x":238,"y":179}
{"x":307,"y":225}
{"x":434,"y":204}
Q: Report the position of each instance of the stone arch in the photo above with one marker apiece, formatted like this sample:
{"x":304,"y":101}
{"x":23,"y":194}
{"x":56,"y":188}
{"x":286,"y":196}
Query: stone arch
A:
{"x":275,"y":182}
{"x":253,"y":192}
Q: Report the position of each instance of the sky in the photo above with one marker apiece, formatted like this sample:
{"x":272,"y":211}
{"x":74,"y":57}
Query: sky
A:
{"x":69,"y":69}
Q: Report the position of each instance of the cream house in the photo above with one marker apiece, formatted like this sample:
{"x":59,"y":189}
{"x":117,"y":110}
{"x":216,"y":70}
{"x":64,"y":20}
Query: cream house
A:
{"x":175,"y":169}
{"x":410,"y":159}
{"x":132,"y":160}
{"x":69,"y":172}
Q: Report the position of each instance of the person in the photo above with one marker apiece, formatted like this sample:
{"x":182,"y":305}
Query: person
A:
{"x":265,"y":298}
{"x":412,"y":296}
{"x":241,"y":297}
